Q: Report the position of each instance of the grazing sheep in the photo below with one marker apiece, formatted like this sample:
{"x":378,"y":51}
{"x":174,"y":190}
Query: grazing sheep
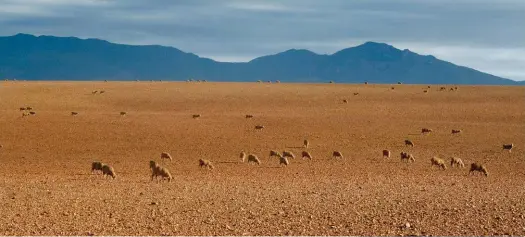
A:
{"x":345,"y":101}
{"x":259,"y":127}
{"x":32,"y":113}
{"x":407,"y":157}
{"x":425,"y":91}
{"x":74,"y":113}
{"x":426,"y":130}
{"x":165,"y":155}
{"x":259,"y":81}
{"x":274,"y":153}
{"x":478,"y":167}
{"x":105,"y":80}
{"x":306,"y":143}
{"x":399,"y":83}
{"x":508,"y":147}
{"x":96,"y":165}
{"x":336,"y":154}
{"x":392,"y":88}
{"x":454,"y":131}
{"x":277,"y":81}
{"x":409,"y":143}
{"x":306,"y":154}
{"x":288,"y":154}
{"x":242,"y":156}
{"x":196,"y":116}
{"x":205,"y":163}
{"x":438,"y":162}
{"x":283,"y":161}
{"x":102,"y":92}
{"x":366,"y":83}
{"x":269,"y":81}
{"x":451,"y":89}
{"x":249,"y":116}
{"x":94,"y":92}
{"x":123,"y":113}
{"x":456,"y":161}
{"x":442,"y":88}
{"x":22,"y":108}
{"x":428,"y":87}
{"x":356,"y":93}
{"x":386,"y":153}
{"x":331,"y":82}
{"x":253,"y":158}
{"x":157,"y":170}
{"x":107,"y":170}
{"x":29,"y":108}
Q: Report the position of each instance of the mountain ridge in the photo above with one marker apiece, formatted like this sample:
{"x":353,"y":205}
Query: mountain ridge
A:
{"x":30,"y":57}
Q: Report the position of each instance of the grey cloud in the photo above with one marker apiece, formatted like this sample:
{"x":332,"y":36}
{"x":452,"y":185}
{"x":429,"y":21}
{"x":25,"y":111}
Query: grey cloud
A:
{"x":244,"y":29}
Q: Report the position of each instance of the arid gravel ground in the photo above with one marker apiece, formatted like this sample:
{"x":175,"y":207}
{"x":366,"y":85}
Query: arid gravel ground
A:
{"x":46,"y":185}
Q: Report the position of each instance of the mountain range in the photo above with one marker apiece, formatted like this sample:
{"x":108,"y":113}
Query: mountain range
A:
{"x":29,"y":57}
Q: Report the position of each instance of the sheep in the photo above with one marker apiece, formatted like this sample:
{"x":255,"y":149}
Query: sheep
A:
{"x":32,"y":113}
{"x":102,"y":92}
{"x":165,"y":155}
{"x":96,"y":165}
{"x":253,"y":158}
{"x":196,"y":116}
{"x":386,"y":153}
{"x":331,"y":82}
{"x":426,"y":130}
{"x":288,"y":154}
{"x":451,"y":89}
{"x":438,"y":162}
{"x":29,"y":108}
{"x":425,"y":91}
{"x":105,"y":80}
{"x":25,"y":114}
{"x":399,"y":83}
{"x":456,"y":161}
{"x":204,"y":80}
{"x":407,"y":157}
{"x":94,"y":92}
{"x":259,"y":127}
{"x":249,"y":116}
{"x":277,"y":81}
{"x":157,"y":170}
{"x":409,"y":143}
{"x":259,"y":81}
{"x":508,"y":147}
{"x":306,"y":154}
{"x":392,"y":88}
{"x":306,"y":143}
{"x":478,"y":167}
{"x":205,"y":163}
{"x":442,"y":88}
{"x":428,"y":87}
{"x":283,"y":161}
{"x":455,"y":131}
{"x":366,"y":83}
{"x":107,"y":170}
{"x":74,"y":113}
{"x":356,"y":93}
{"x":22,"y":108}
{"x":274,"y":153}
{"x":123,"y":113}
{"x":269,"y":81}
{"x":336,"y":154}
{"x":242,"y":155}
{"x":345,"y":101}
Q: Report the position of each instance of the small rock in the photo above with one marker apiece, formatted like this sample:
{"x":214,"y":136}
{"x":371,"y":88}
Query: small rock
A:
{"x":407,"y":225}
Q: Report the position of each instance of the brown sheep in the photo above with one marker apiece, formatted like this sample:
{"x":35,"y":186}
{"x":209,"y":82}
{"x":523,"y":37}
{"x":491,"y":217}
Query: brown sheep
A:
{"x":409,"y":143}
{"x":438,"y":162}
{"x":249,"y":116}
{"x":275,"y":153}
{"x":306,"y":154}
{"x":74,"y":113}
{"x":283,"y":161}
{"x":407,"y":157}
{"x":259,"y":127}
{"x":356,"y":93}
{"x":165,"y":155}
{"x":242,"y":155}
{"x":102,"y":92}
{"x":22,"y":108}
{"x":196,"y":116}
{"x":508,"y":147}
{"x":306,"y":143}
{"x":426,"y":130}
{"x":107,"y":170}
{"x":96,"y":166}
{"x":455,"y":131}
{"x":478,"y":167}
{"x":456,"y":161}
{"x":386,"y":153}
{"x":29,"y":108}
{"x":205,"y":163}
{"x":157,"y":170}
{"x":288,"y":154}
{"x":425,"y":91}
{"x":345,"y":101}
{"x":392,"y":88}
{"x":336,"y":154}
{"x":254,"y":159}
{"x":32,"y":113}
{"x":94,"y":92}
{"x":123,"y":113}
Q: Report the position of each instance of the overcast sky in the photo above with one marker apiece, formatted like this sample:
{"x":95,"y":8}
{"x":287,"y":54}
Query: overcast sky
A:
{"x":487,"y":35}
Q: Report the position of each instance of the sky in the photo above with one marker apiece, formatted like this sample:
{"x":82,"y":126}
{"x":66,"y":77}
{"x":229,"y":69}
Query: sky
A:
{"x":487,"y":35}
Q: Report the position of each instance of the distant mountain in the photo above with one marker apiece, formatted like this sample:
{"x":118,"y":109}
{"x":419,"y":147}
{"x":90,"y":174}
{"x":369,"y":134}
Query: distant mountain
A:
{"x":29,"y":57}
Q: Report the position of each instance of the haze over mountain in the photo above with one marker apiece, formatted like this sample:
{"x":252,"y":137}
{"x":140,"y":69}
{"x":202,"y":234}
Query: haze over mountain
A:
{"x":24,"y":56}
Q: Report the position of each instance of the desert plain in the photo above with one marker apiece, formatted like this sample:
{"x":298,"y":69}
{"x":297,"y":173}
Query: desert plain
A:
{"x":47,"y":187}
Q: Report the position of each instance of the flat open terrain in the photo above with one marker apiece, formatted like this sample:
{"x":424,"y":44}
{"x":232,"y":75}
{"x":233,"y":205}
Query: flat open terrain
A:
{"x":47,"y":188}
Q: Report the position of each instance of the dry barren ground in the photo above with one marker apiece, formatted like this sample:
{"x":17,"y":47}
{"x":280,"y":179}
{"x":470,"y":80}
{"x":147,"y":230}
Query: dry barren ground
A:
{"x":46,"y":185}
